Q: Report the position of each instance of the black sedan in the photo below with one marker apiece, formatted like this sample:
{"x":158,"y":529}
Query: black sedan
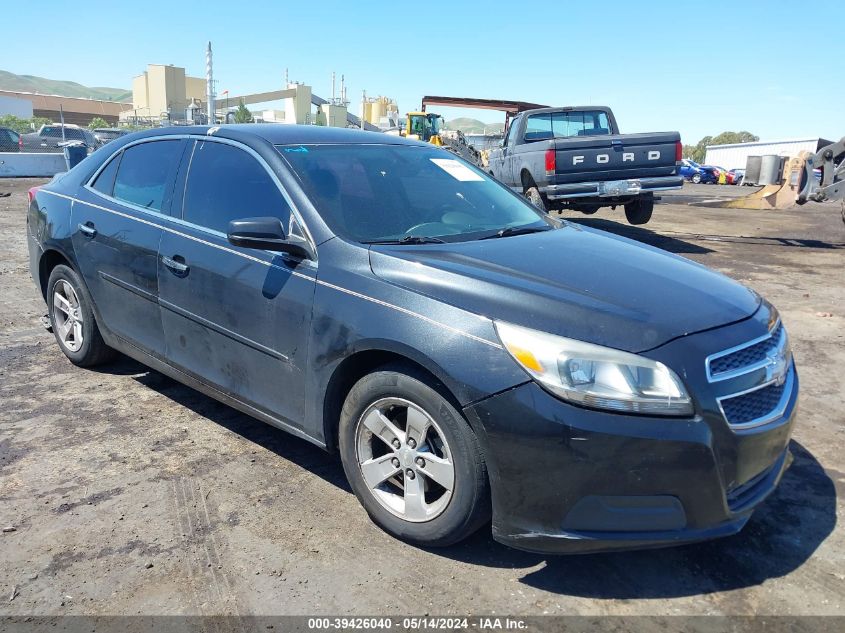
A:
{"x":10,"y":140}
{"x":467,"y":355}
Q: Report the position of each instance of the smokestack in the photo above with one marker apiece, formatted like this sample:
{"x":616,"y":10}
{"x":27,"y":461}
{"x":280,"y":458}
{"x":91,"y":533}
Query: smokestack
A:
{"x":209,"y":84}
{"x":333,"y":99}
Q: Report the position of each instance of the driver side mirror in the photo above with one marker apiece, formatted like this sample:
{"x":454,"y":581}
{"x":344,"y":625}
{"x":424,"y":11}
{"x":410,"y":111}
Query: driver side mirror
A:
{"x":267,"y":234}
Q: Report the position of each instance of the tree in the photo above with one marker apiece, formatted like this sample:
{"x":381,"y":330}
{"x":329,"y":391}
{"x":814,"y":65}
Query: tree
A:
{"x":97,"y":122}
{"x":242,"y":114}
{"x":23,"y":126}
{"x":699,"y":150}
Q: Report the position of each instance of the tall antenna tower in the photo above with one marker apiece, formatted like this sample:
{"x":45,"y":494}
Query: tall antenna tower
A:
{"x":209,"y":84}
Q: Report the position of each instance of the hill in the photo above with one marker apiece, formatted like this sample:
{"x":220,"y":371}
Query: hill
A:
{"x":474,"y":126}
{"x":31,"y":83}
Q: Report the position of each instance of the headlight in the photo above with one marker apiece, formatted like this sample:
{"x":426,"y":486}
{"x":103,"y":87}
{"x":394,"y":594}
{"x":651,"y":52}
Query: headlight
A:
{"x":596,"y":376}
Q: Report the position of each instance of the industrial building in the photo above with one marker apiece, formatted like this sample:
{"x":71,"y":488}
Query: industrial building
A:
{"x":76,"y":110}
{"x":735,"y":155}
{"x":165,"y":92}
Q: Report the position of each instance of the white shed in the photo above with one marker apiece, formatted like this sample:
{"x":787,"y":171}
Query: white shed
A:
{"x":734,"y":156}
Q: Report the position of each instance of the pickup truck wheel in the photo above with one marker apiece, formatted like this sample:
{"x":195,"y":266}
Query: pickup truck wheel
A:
{"x":639,"y":211}
{"x":411,"y":458}
{"x":696,"y":178}
{"x":536,"y":198}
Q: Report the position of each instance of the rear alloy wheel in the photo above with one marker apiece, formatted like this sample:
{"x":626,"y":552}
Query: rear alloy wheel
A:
{"x":639,"y":211}
{"x":73,"y":320}
{"x":536,"y":198}
{"x":696,"y":178}
{"x":411,"y":458}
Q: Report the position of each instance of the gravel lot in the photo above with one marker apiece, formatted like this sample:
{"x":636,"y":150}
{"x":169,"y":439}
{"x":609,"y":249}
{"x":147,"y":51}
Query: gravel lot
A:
{"x":128,"y":493}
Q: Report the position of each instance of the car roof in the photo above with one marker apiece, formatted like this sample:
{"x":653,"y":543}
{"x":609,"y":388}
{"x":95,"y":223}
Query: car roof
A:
{"x":283,"y":134}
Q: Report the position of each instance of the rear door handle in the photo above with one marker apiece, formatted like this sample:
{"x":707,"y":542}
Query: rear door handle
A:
{"x":178,"y":268}
{"x":87,"y":229}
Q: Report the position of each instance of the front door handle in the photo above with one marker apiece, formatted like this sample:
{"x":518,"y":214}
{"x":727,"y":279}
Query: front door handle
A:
{"x":87,"y":229}
{"x":177,"y":267}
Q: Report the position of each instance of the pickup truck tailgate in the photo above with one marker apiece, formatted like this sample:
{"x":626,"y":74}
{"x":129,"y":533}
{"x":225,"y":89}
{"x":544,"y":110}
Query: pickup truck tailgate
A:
{"x":614,"y":157}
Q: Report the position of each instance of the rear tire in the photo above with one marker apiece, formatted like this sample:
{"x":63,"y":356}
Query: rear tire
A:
{"x":639,"y":211}
{"x":382,"y":415}
{"x":72,"y":319}
{"x":696,"y":178}
{"x":536,"y":198}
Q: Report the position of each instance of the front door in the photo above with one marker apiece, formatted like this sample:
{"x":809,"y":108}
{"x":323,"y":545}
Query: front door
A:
{"x":117,"y":229}
{"x":235,"y":318}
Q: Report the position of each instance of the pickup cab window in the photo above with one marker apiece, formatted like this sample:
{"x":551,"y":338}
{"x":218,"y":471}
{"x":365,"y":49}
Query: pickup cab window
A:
{"x":580,"y":123}
{"x":566,"y":124}
{"x":538,"y":127}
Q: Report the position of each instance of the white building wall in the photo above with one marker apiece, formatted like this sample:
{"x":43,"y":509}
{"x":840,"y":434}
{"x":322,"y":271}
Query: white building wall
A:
{"x":21,"y":108}
{"x":734,"y":156}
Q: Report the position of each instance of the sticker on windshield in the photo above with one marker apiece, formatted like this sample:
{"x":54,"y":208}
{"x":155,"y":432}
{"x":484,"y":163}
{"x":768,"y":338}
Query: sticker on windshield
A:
{"x":456,"y":169}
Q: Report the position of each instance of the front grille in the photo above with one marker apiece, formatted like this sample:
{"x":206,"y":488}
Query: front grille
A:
{"x":747,"y":356}
{"x":753,"y":381}
{"x":752,"y":406}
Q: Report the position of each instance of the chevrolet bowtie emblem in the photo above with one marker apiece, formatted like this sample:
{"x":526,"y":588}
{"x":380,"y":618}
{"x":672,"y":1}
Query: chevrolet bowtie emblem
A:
{"x":776,"y":368}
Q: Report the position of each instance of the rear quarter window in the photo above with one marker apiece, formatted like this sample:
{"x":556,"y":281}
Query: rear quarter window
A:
{"x":145,"y":174}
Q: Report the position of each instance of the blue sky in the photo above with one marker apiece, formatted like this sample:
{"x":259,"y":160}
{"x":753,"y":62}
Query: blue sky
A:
{"x":700,"y":67}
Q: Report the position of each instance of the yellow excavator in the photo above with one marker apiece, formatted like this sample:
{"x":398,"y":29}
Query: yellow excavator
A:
{"x":424,"y":126}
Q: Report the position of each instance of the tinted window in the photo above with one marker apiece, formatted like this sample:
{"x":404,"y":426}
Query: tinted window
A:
{"x":143,"y":177}
{"x":105,"y":181}
{"x":225,"y":183}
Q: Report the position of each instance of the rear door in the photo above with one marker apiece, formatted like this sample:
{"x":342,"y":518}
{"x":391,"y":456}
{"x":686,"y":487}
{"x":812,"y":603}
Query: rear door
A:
{"x":117,"y":223}
{"x":235,"y":318}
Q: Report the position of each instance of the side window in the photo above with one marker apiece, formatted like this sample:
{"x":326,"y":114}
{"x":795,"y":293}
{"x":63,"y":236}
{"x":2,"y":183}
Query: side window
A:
{"x":105,"y":180}
{"x":225,"y":183}
{"x":538,"y":127}
{"x":144,"y":174}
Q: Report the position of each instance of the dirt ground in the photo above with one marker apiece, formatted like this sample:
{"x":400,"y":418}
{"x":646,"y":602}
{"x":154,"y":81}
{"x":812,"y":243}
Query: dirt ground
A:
{"x":131,"y":494}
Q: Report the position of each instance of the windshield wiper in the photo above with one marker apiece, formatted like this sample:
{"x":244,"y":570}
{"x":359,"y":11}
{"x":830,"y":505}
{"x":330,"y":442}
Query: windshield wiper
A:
{"x":410,"y":239}
{"x":518,"y":230}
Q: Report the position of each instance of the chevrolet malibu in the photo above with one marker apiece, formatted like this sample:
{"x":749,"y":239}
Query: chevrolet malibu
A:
{"x":468,"y":356}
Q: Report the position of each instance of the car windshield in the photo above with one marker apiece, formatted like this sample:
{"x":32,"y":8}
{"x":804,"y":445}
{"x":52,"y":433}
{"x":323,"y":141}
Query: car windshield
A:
{"x":383,"y":193}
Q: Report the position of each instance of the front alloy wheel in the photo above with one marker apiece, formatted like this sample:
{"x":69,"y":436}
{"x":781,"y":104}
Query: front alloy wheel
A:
{"x":405,"y":460}
{"x":411,"y":458}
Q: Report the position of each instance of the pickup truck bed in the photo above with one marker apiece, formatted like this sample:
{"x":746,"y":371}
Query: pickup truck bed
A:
{"x":575,"y":158}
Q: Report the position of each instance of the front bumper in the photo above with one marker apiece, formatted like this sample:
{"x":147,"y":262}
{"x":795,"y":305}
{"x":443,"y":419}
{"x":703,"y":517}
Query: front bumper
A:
{"x":598,"y":189}
{"x":571,"y":480}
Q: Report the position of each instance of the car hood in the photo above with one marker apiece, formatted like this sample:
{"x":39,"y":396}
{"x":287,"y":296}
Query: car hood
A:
{"x":575,"y":282}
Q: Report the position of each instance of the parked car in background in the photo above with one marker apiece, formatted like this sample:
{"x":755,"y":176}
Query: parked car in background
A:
{"x":735,"y":176}
{"x":718,"y":173}
{"x":106,"y":134}
{"x":50,"y":138}
{"x":696,"y":173}
{"x":466,"y":354}
{"x":10,"y":141}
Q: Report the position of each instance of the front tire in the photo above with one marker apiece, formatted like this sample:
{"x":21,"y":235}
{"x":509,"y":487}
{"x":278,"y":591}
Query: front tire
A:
{"x":411,"y":458}
{"x":72,"y":319}
{"x":536,"y":198}
{"x":696,"y":178}
{"x":639,"y":211}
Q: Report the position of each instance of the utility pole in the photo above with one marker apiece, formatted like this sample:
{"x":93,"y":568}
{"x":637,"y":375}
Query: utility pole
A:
{"x":209,"y":84}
